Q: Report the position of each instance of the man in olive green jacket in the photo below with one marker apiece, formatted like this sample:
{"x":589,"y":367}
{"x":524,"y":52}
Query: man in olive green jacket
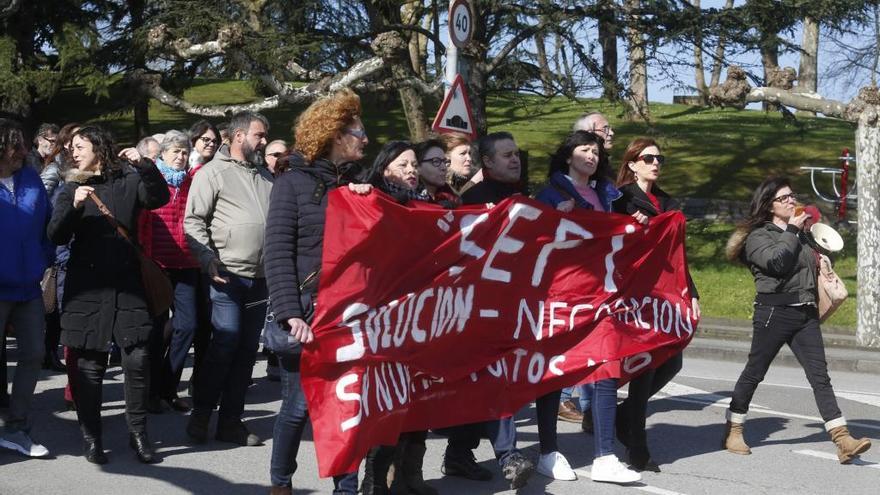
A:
{"x":224,"y":225}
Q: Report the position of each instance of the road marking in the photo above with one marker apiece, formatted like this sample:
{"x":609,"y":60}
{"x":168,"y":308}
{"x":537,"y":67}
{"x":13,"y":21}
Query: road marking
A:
{"x":833,"y":457}
{"x":869,"y":398}
{"x":645,"y":488}
{"x":712,"y":400}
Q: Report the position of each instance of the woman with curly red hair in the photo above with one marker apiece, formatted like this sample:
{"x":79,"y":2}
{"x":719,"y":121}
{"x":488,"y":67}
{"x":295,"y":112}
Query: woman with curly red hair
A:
{"x":330,"y":139}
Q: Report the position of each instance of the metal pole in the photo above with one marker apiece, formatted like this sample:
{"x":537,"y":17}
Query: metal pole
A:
{"x":451,"y":65}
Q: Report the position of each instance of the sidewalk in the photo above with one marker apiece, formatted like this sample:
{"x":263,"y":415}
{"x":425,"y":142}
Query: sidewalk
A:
{"x":730,"y":340}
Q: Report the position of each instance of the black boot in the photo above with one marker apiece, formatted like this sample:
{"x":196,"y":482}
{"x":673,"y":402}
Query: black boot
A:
{"x":94,"y":451}
{"x":408,"y":478}
{"x":376,"y":467}
{"x":142,"y":448}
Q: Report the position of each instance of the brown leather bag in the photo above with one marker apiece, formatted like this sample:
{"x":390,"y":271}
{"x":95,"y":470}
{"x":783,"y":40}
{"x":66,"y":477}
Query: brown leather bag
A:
{"x":157,"y":286}
{"x":49,"y":284}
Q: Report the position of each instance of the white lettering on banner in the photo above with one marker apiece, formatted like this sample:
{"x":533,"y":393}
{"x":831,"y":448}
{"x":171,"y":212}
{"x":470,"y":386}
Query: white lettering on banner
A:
{"x":356,"y":349}
{"x":534,"y":324}
{"x":508,"y":245}
{"x":634,"y":363}
{"x":554,"y":363}
{"x":452,"y":309}
{"x":467,"y":246}
{"x":342,"y":395}
{"x":560,"y":241}
{"x":553,"y":319}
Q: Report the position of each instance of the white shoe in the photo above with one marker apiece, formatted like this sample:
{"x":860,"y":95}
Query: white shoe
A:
{"x":555,"y":465}
{"x":22,"y":442}
{"x":608,"y":469}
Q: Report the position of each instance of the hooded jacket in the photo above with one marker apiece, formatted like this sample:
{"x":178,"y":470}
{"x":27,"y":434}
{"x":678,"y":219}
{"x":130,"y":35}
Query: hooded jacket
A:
{"x":161,"y":230}
{"x":25,"y":251}
{"x":103,"y":291}
{"x":782,"y":262}
{"x":226,"y":215}
{"x":295,"y":234}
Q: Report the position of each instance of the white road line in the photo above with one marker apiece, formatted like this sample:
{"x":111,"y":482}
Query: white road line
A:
{"x":707,"y":398}
{"x":833,"y":457}
{"x":645,"y":488}
{"x":839,"y":393}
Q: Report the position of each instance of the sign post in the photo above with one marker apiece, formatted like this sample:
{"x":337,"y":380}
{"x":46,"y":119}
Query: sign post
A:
{"x":455,"y":113}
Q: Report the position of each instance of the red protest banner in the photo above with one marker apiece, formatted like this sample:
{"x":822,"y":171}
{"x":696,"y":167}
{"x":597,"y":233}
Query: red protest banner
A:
{"x":429,"y":318}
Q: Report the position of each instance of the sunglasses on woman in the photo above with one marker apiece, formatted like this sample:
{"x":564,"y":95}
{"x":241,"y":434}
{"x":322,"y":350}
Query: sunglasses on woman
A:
{"x":648,"y":158}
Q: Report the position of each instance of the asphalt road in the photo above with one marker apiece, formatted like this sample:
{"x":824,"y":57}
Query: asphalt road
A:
{"x":791,"y":452}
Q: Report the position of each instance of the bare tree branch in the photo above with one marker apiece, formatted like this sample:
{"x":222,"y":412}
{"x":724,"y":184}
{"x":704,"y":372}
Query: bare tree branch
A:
{"x":150,"y":84}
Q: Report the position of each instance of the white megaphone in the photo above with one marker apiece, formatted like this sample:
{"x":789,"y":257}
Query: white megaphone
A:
{"x":826,"y":238}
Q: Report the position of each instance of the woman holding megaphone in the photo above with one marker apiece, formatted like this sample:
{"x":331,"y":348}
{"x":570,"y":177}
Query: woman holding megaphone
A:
{"x":772,"y":243}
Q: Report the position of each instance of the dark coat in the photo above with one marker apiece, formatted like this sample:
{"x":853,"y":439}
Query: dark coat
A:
{"x":490,"y":191}
{"x":295,"y":235}
{"x":782,"y":262}
{"x":103,"y":292}
{"x":633,"y":199}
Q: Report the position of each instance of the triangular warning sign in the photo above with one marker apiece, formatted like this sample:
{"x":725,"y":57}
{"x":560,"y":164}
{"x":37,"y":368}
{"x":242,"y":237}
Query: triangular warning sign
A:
{"x":455,"y":113}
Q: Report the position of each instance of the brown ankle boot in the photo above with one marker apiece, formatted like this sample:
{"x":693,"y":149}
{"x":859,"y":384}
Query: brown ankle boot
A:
{"x":733,"y":440}
{"x":848,"y":447}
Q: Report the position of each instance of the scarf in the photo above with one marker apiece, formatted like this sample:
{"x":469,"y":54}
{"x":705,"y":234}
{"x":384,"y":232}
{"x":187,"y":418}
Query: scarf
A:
{"x":403,"y":194}
{"x":172,"y":176}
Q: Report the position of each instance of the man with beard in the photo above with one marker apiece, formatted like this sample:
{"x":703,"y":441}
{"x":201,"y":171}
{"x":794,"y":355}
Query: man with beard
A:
{"x":224,"y":224}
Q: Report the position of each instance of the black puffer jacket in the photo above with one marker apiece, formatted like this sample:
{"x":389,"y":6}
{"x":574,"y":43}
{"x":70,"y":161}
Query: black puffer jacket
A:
{"x":783,"y":263}
{"x":295,"y":234}
{"x":103,"y":291}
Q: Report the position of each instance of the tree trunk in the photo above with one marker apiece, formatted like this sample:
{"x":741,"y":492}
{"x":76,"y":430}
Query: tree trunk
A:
{"x":717,"y":64}
{"x":608,"y":42}
{"x":770,"y":60}
{"x":544,"y":65}
{"x":808,"y":71}
{"x":418,"y":43}
{"x":700,"y":77}
{"x":868,"y":255}
{"x":435,"y":27}
{"x":142,"y":100}
{"x":638,"y":67}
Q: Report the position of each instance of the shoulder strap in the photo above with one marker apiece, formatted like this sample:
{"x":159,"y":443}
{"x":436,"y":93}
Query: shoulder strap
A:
{"x":110,"y":218}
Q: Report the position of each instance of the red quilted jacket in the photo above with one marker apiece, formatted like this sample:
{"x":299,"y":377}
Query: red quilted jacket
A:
{"x":161,"y":230}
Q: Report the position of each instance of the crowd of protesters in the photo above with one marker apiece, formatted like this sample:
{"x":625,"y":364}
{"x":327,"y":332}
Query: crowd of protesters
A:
{"x":237,"y":224}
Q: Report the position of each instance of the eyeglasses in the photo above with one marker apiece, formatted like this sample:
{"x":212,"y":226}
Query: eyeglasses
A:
{"x":605,"y":129}
{"x":358,"y":133}
{"x":786,"y":197}
{"x":649,"y":158}
{"x":438,"y":162}
{"x":207,"y":140}
{"x":277,"y":154}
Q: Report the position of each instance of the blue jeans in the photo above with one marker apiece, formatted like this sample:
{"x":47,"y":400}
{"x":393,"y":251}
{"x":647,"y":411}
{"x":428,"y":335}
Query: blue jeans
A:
{"x":604,"y":412}
{"x":169,"y":351}
{"x":238,"y":308}
{"x":585,"y":393}
{"x":290,"y":423}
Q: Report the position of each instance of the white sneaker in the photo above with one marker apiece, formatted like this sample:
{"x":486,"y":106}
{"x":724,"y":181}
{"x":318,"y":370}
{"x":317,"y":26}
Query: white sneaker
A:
{"x":555,"y":465}
{"x":21,"y":442}
{"x":608,"y":469}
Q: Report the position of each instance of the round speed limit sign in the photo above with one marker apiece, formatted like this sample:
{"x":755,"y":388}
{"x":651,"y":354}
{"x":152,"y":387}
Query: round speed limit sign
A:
{"x":461,"y":23}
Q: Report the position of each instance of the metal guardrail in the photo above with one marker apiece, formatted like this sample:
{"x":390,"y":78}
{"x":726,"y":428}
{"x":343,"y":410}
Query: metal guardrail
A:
{"x":842,"y":195}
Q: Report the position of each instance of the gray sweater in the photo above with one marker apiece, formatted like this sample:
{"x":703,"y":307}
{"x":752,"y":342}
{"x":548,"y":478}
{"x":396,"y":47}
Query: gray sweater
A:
{"x":781,"y":262}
